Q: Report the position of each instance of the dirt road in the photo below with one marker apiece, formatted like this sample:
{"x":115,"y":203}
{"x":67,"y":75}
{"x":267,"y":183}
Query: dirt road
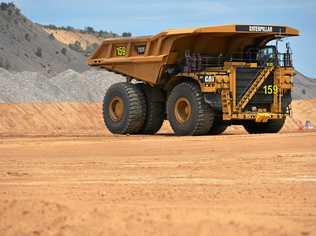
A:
{"x":159,"y":185}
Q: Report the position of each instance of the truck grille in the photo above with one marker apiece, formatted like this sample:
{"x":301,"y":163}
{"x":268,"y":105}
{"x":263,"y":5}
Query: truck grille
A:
{"x":245,"y":77}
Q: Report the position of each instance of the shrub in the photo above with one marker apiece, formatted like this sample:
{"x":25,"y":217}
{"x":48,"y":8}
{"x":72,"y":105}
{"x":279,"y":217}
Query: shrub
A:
{"x":38,"y":52}
{"x":3,"y":6}
{"x":51,"y":36}
{"x":54,"y":27}
{"x":126,"y":34}
{"x":91,"y":48}
{"x":10,"y":12}
{"x":69,"y":28}
{"x":89,"y":29}
{"x":64,"y":51}
{"x":17,"y":11}
{"x":4,"y":63}
{"x":76,"y":46}
{"x":27,"y":37}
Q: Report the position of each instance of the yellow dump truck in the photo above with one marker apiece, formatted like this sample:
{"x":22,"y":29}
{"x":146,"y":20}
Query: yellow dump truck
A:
{"x":201,"y":79}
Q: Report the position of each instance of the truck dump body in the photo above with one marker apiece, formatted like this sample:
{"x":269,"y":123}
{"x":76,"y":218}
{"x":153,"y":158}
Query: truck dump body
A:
{"x":145,"y":58}
{"x":200,"y":79}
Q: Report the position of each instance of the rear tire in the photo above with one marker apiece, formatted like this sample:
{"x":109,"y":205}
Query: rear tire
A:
{"x":124,"y":109}
{"x":272,"y":126}
{"x":155,"y":103}
{"x":187,"y":111}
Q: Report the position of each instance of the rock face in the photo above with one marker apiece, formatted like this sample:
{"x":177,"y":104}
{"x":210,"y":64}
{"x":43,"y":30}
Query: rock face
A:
{"x":25,"y":46}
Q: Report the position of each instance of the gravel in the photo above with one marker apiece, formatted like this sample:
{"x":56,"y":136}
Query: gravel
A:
{"x":89,"y":86}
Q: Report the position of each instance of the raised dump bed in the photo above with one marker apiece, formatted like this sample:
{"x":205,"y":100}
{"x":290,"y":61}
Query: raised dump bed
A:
{"x":240,"y":78}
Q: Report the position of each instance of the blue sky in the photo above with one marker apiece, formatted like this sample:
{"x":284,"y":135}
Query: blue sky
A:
{"x":149,"y":17}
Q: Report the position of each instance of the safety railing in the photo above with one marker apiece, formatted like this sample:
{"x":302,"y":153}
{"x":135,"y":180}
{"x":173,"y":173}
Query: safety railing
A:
{"x":195,"y":62}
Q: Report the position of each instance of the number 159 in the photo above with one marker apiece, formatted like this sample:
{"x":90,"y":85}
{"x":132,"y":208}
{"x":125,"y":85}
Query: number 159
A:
{"x":271,"y":89}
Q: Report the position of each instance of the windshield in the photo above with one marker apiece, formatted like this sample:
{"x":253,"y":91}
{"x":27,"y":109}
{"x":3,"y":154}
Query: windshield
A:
{"x":267,"y":56}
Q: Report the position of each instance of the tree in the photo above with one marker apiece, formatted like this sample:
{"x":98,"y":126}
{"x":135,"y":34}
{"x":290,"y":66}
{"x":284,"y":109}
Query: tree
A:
{"x":126,"y":34}
{"x":53,"y":27}
{"x":70,"y":28}
{"x":89,"y":29}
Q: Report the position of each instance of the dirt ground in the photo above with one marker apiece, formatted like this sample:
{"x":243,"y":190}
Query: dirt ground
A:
{"x":159,"y":185}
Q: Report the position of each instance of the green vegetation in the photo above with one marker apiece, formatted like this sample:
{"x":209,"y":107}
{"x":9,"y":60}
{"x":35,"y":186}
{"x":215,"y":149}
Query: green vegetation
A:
{"x":27,"y":37}
{"x":64,"y":51}
{"x":89,"y":30}
{"x":38,"y":52}
{"x":10,"y":8}
{"x":126,"y":34}
{"x":78,"y":48}
{"x":4,"y":63}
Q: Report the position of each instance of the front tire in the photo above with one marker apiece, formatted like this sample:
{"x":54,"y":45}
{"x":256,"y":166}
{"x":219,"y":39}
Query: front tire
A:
{"x":272,"y":126}
{"x":218,"y":127}
{"x":124,"y":109}
{"x":187,"y":111}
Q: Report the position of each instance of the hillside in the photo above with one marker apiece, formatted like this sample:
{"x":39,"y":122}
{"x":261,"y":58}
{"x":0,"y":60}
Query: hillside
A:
{"x":25,"y":46}
{"x":304,"y":87}
{"x":81,"y":40}
{"x":72,"y":36}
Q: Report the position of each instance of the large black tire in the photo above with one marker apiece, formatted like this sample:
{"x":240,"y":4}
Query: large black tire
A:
{"x":272,"y":126}
{"x":124,"y":109}
{"x":187,"y":111}
{"x":218,"y":127}
{"x":155,"y":109}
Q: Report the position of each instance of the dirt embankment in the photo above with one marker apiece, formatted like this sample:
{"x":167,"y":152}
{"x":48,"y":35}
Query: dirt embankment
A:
{"x":86,"y":119}
{"x":51,"y":119}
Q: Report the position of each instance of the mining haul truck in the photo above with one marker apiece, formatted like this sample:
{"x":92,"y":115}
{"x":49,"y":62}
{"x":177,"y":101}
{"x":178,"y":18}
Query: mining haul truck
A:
{"x":200,"y":79}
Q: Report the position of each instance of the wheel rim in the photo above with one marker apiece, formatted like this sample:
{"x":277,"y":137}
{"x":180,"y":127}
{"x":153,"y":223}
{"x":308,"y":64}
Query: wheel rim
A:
{"x":116,"y":108}
{"x":183,"y":110}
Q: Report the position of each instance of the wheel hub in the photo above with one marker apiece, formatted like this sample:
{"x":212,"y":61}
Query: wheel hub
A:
{"x":183,"y":110}
{"x":116,"y":108}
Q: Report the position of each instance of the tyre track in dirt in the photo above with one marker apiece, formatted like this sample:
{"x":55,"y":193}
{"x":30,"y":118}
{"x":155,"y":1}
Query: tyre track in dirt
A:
{"x":159,"y":185}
